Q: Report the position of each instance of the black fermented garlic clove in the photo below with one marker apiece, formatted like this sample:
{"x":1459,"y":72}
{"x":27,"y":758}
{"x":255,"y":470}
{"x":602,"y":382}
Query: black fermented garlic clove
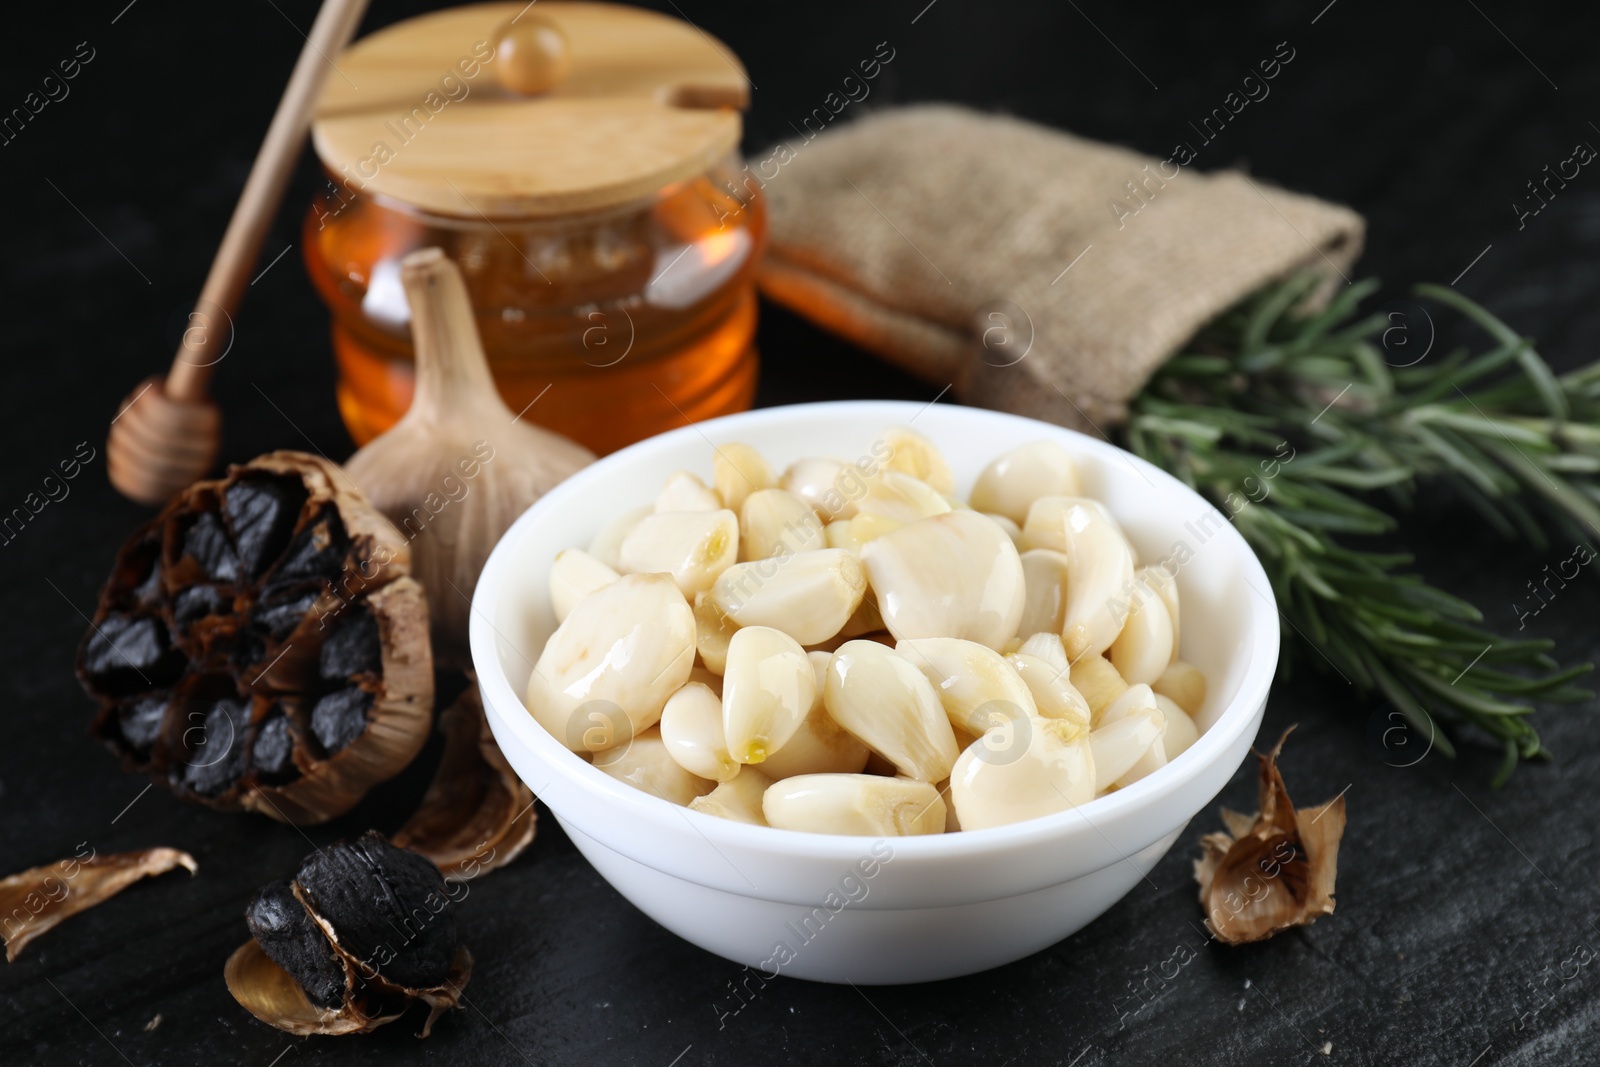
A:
{"x":285,"y":931}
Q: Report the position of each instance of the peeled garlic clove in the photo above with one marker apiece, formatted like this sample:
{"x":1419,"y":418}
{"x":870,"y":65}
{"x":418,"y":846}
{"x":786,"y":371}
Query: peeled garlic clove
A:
{"x":1046,"y":645}
{"x":819,"y":745}
{"x":1045,"y":526}
{"x":1183,"y":683}
{"x":691,"y":726}
{"x":607,"y":671}
{"x":1144,"y":647}
{"x":767,"y":691}
{"x":1021,"y":771}
{"x":644,"y":763}
{"x":737,"y":470}
{"x":1011,"y":483}
{"x":1165,"y":584}
{"x":1044,"y":600}
{"x":607,"y":545}
{"x":684,"y":492}
{"x":812,"y":481}
{"x":692,"y":546}
{"x":913,"y":454}
{"x":1099,"y":682}
{"x":900,"y":497}
{"x":838,"y":534}
{"x":807,"y":595}
{"x":1181,"y":731}
{"x":1052,"y":691}
{"x":1120,"y":742}
{"x":712,"y":632}
{"x":738,"y":799}
{"x":976,"y":686}
{"x":1138,"y":700}
{"x":774,"y":522}
{"x":574,"y":575}
{"x":1099,"y":576}
{"x":704,"y":676}
{"x":866,"y":620}
{"x":951,"y":575}
{"x":863,"y":804}
{"x":1012,"y":530}
{"x":881,"y":698}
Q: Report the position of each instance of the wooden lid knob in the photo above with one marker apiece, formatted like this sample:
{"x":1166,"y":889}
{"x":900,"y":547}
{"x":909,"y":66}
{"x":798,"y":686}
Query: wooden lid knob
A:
{"x":530,"y":55}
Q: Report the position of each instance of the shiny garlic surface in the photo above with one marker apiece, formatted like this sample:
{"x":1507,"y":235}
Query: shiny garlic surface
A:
{"x":852,"y":647}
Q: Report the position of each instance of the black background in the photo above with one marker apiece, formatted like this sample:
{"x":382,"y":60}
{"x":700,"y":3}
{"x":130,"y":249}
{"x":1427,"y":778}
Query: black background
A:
{"x":1466,"y":930}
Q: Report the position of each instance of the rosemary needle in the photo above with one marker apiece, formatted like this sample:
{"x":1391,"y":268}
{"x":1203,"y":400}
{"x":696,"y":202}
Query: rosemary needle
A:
{"x":1297,"y":424}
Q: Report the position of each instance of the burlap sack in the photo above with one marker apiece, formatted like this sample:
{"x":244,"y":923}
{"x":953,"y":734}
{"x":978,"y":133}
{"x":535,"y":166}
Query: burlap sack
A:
{"x":1034,"y":271}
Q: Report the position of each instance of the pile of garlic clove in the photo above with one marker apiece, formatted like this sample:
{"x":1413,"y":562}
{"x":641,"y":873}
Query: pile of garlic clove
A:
{"x":849,"y":648}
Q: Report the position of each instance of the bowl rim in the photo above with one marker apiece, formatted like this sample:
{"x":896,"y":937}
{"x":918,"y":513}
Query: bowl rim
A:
{"x":625,"y":801}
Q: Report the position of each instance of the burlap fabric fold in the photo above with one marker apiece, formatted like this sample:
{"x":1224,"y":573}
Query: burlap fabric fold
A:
{"x":1034,"y":271}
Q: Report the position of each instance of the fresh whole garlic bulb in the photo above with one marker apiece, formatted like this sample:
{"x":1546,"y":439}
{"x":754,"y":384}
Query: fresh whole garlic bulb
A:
{"x":458,"y":467}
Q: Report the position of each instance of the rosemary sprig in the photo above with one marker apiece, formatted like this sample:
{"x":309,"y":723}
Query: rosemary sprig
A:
{"x":1299,"y":427}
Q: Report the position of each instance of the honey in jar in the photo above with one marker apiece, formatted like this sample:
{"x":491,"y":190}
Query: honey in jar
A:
{"x":578,"y":161}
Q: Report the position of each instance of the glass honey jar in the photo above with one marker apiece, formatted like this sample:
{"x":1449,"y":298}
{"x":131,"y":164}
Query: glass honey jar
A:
{"x":579,"y":162}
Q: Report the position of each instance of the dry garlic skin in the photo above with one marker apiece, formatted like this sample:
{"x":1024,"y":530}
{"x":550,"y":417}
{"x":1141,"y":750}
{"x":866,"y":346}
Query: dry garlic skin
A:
{"x":951,"y":575}
{"x":1146,"y":644}
{"x":1011,"y":483}
{"x":868,"y":805}
{"x":881,"y":698}
{"x":975,"y":684}
{"x":767,"y":690}
{"x":606,"y":672}
{"x":691,"y":726}
{"x":1099,"y":577}
{"x":1020,"y":771}
{"x":738,"y":799}
{"x":911,"y":453}
{"x":644,"y":763}
{"x":692,"y":546}
{"x":807,"y":595}
{"x":574,"y":575}
{"x":775,"y":522}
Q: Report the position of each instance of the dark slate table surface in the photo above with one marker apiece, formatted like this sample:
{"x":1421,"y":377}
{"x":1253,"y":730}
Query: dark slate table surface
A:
{"x":1465,"y":932}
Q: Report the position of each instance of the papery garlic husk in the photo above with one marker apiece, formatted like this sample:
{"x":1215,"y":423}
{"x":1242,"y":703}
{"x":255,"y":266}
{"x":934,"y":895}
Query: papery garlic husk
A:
{"x":883,"y":699}
{"x":818,"y":745}
{"x":35,"y":900}
{"x":1052,"y":690}
{"x":645,"y":763}
{"x":1145,"y":646}
{"x":812,"y":480}
{"x":1272,"y":870}
{"x":775,"y":522}
{"x":976,"y":686}
{"x":737,"y":470}
{"x":951,"y":575}
{"x":1099,"y":579}
{"x":1044,"y":580}
{"x":863,"y":804}
{"x":1127,"y":732}
{"x":477,"y":815}
{"x":767,"y":690}
{"x":607,"y":671}
{"x":574,"y":575}
{"x":692,"y":546}
{"x":913,"y":454}
{"x":691,"y":726}
{"x":459,"y":466}
{"x":684,"y":491}
{"x":1011,"y":483}
{"x":808,"y":595}
{"x":1022,"y":770}
{"x":1184,"y":684}
{"x":607,"y":544}
{"x":738,"y":799}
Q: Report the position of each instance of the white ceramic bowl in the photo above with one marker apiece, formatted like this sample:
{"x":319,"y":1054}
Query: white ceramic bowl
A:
{"x":836,"y":908}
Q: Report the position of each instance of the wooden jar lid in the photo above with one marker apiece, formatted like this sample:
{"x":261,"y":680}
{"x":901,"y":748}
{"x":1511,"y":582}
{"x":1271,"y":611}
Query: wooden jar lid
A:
{"x":427,"y":111}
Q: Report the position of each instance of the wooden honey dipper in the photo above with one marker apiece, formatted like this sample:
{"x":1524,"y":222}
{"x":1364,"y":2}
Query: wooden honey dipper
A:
{"x":167,"y":433}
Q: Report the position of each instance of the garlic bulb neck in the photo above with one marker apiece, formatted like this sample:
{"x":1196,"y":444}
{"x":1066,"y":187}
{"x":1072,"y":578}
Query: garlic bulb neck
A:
{"x":453,"y":380}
